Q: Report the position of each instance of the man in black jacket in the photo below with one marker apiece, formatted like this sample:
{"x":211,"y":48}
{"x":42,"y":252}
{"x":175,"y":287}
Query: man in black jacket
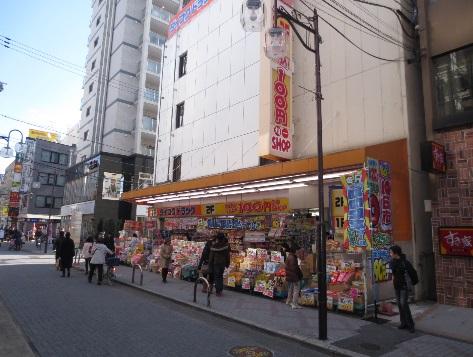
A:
{"x":219,"y":259}
{"x":402,"y":270}
{"x":204,"y":263}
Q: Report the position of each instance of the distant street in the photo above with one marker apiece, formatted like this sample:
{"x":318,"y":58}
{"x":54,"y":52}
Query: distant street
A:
{"x":69,"y":317}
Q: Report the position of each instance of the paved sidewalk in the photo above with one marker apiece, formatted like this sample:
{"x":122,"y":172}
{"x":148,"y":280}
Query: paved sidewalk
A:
{"x":13,"y":342}
{"x":348,"y":335}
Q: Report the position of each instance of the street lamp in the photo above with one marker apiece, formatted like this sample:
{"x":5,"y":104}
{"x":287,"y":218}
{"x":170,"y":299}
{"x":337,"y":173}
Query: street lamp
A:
{"x":7,"y":151}
{"x":276,"y":47}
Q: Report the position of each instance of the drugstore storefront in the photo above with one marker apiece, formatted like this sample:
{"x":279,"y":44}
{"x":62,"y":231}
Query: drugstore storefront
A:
{"x":261,"y":208}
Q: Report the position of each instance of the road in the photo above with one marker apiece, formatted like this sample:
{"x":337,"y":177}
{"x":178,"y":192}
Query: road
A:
{"x":69,"y":317}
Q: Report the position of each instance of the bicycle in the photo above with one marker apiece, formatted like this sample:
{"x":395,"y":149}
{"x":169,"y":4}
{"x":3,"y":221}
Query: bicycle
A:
{"x":112,"y":263}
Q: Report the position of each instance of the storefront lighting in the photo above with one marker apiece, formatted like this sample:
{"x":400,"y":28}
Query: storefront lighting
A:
{"x":252,"y":15}
{"x":223,"y":190}
{"x":276,"y":43}
{"x":206,"y":196}
{"x":239,"y":192}
{"x":283,"y":187}
{"x":268,"y":183}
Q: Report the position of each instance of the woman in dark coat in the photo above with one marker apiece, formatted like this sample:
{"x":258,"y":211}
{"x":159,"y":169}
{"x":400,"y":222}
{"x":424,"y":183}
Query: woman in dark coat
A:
{"x":66,"y":254}
{"x":219,"y":259}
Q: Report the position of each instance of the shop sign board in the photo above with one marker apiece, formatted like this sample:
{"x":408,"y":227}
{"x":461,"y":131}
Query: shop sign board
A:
{"x":345,"y":303}
{"x":277,"y":205}
{"x":42,"y":135}
{"x":381,"y":265}
{"x":254,"y":237}
{"x":183,"y":17}
{"x":456,"y":241}
{"x":357,"y":211}
{"x":433,"y":157}
{"x":337,"y":207}
{"x":276,"y":127}
{"x":133,"y":225}
{"x":112,"y":186}
{"x":181,"y":211}
{"x":385,"y":184}
{"x":234,"y":223}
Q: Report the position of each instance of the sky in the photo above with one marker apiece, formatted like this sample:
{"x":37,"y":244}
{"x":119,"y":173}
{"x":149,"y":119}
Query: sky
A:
{"x":37,"y":92}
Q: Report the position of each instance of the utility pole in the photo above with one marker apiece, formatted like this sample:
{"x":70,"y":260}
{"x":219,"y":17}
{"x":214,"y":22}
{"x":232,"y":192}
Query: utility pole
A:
{"x":321,"y":246}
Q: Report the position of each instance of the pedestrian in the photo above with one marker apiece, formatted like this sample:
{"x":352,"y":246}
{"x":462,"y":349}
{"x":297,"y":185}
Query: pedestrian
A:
{"x":110,"y":244}
{"x":99,"y":252}
{"x":204,"y":263}
{"x":293,"y":277}
{"x":67,"y":252}
{"x":2,"y":235}
{"x":17,"y":239}
{"x":165,"y":261}
{"x":37,"y":237}
{"x":404,"y":275}
{"x":219,"y":259}
{"x":87,"y":252}
{"x":58,"y":246}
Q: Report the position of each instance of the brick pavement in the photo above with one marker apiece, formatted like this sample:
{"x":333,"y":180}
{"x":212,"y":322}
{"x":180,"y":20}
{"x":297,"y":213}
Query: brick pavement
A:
{"x":347,"y":334}
{"x":69,"y":317}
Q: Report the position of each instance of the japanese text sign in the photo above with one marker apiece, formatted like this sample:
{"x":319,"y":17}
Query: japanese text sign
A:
{"x":456,"y":241}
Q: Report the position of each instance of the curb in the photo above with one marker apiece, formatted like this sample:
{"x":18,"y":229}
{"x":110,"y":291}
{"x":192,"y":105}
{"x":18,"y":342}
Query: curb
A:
{"x":310,"y":342}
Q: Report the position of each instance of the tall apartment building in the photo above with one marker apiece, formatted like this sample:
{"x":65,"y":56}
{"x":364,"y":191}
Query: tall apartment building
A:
{"x":120,"y":101}
{"x":121,"y":89}
{"x":236,"y":127}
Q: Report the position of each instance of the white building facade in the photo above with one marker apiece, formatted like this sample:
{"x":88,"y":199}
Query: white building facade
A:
{"x":219,"y":128}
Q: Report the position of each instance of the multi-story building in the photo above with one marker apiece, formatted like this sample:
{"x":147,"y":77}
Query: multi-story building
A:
{"x":234,"y":126}
{"x":121,"y":89}
{"x":5,"y":189}
{"x":446,"y":32}
{"x":43,"y":178}
{"x":121,"y":93}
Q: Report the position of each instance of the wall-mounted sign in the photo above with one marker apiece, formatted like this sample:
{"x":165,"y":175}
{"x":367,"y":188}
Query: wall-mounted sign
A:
{"x":253,"y":207}
{"x":91,"y":165}
{"x":456,"y":241}
{"x":183,"y":17}
{"x":433,"y":157}
{"x":112,"y":186}
{"x":42,"y":135}
{"x":337,"y":207}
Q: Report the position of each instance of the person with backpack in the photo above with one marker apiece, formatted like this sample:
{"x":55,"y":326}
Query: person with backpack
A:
{"x":87,"y":253}
{"x":404,"y":275}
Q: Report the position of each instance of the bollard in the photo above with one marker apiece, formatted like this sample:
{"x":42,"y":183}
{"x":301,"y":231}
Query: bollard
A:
{"x":133,"y":275}
{"x":209,"y":289}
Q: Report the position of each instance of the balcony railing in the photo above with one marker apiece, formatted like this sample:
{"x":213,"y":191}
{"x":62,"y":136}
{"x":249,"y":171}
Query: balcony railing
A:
{"x":154,"y":67}
{"x":156,"y":39}
{"x":151,"y":95}
{"x":149,"y":124}
{"x":161,"y":14}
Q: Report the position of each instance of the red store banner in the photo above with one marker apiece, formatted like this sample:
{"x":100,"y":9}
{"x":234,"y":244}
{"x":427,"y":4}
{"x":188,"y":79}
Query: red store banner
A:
{"x":456,"y":241}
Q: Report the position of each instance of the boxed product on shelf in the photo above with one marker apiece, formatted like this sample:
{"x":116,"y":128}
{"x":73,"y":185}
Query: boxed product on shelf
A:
{"x":308,"y":297}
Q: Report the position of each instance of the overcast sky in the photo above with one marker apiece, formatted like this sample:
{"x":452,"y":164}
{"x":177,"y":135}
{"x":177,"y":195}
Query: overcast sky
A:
{"x":38,"y":92}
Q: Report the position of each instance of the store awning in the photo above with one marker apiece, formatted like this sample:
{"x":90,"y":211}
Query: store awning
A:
{"x":277,"y":176}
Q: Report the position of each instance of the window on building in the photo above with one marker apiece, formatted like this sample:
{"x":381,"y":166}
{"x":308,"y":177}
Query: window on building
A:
{"x":57,"y":202}
{"x":54,"y":158}
{"x":92,"y":67}
{"x":63,"y":159}
{"x":96,"y":42}
{"x":91,"y":87}
{"x":182,"y":64}
{"x":179,"y":115}
{"x":453,"y":88}
{"x":49,"y":202}
{"x":176,"y":168}
{"x":98,"y":21}
{"x":45,"y":155}
{"x":86,"y":134}
{"x":40,"y":201}
{"x":51,"y":179}
{"x":60,"y":180}
{"x":43,"y":178}
{"x":87,"y":112}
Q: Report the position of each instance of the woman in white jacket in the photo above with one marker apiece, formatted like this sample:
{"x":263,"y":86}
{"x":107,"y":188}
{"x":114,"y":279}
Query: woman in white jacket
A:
{"x":99,"y":251}
{"x":87,"y":253}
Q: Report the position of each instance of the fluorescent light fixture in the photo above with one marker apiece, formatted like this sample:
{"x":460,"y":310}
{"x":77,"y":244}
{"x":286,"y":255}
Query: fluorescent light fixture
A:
{"x":206,"y":195}
{"x":268,"y":183}
{"x":306,"y":179}
{"x":239,"y":192}
{"x":228,"y":189}
{"x":293,"y":185}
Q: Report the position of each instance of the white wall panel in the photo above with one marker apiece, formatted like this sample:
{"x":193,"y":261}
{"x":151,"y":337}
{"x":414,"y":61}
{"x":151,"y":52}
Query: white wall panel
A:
{"x":237,"y":88}
{"x":223,"y":94}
